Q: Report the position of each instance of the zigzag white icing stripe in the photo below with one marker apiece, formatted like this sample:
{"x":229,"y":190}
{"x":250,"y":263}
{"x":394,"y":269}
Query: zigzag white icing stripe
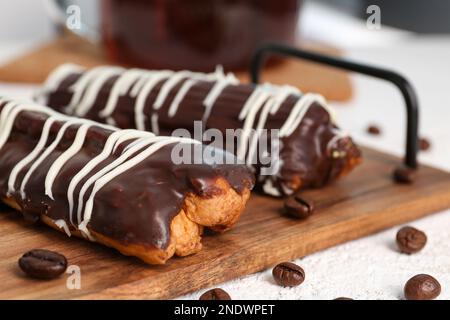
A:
{"x":141,"y":82}
{"x":79,"y":87}
{"x":156,"y":143}
{"x":143,"y":95}
{"x":113,"y":141}
{"x":248,"y":123}
{"x":120,"y":87}
{"x":180,"y":96}
{"x":44,"y":155}
{"x":57,"y":165}
{"x":298,"y":112}
{"x":92,"y":90}
{"x":36,"y":151}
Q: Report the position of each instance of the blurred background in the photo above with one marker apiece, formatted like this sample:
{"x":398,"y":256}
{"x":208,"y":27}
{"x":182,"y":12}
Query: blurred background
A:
{"x":429,"y":16}
{"x":408,"y":36}
{"x":324,"y":20}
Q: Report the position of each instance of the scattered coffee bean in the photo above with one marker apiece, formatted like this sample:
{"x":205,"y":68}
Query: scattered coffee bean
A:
{"x":288,"y":274}
{"x":215,"y":294}
{"x":374,"y":130}
{"x":43,"y":264}
{"x":404,"y":175}
{"x":424,"y":144}
{"x":298,"y":207}
{"x":411,"y":240}
{"x":422,"y":287}
{"x":343,"y":298}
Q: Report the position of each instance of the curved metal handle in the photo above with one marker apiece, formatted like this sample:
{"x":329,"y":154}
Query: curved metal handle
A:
{"x":59,"y":11}
{"x":408,"y":93}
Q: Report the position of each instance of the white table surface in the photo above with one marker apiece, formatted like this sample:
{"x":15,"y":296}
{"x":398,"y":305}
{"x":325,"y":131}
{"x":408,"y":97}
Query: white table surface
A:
{"x":371,"y":267}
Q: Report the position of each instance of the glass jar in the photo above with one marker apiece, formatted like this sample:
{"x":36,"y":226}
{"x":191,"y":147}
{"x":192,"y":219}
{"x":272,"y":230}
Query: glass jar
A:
{"x":194,"y":34}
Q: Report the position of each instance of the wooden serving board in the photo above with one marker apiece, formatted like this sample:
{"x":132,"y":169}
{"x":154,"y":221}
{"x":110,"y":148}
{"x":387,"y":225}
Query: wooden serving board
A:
{"x":35,"y":66}
{"x":363,"y":203}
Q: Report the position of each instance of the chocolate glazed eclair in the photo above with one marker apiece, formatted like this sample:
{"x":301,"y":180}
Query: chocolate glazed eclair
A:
{"x":312,"y":150}
{"x":117,"y":187}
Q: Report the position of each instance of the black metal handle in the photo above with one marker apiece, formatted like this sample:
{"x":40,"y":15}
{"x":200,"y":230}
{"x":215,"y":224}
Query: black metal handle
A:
{"x":409,"y":95}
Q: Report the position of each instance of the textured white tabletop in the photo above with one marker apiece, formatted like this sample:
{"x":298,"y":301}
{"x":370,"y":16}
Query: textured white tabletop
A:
{"x":368,"y":268}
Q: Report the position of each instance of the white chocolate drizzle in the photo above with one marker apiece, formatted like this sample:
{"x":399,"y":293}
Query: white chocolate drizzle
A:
{"x":111,"y":144}
{"x":60,"y":74}
{"x":54,"y":81}
{"x":213,"y":95}
{"x":79,"y":87}
{"x":120,"y":88}
{"x":249,"y":117}
{"x":47,"y":151}
{"x":27,"y":160}
{"x":143,"y":95}
{"x":270,"y":189}
{"x":156,"y":143}
{"x":92,"y":90}
{"x":154,"y":121}
{"x":142,"y":82}
{"x":264,"y":101}
{"x":57,"y":165}
{"x":187,"y":85}
{"x":63,"y":225}
{"x":142,"y":145}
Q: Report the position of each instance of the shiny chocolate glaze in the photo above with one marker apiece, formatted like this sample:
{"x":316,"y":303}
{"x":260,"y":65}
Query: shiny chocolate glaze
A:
{"x":136,"y":207}
{"x":313,"y":155}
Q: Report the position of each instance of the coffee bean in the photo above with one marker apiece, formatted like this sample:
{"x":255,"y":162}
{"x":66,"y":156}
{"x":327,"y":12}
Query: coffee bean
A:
{"x":298,"y":207}
{"x":424,"y":144}
{"x":215,"y":294}
{"x":43,"y":264}
{"x":422,"y":287}
{"x":411,"y":240}
{"x":404,"y":175}
{"x":374,"y":130}
{"x":343,"y":298}
{"x":288,"y":274}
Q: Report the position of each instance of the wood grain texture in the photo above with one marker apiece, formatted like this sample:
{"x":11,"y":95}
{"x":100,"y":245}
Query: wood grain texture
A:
{"x":361,"y":204}
{"x":35,"y":66}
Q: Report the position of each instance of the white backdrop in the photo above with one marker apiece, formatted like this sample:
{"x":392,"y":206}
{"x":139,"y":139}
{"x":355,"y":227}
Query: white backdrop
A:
{"x":29,"y":20}
{"x":22,"y":20}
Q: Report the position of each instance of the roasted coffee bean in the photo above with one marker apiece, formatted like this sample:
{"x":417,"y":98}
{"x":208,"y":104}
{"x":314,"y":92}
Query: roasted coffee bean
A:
{"x":298,"y":207}
{"x":411,"y":240}
{"x":424,"y":144}
{"x":288,"y":274}
{"x":404,"y":175}
{"x":374,"y":130}
{"x":215,"y":294}
{"x":43,"y":264}
{"x":422,"y":287}
{"x":343,"y":298}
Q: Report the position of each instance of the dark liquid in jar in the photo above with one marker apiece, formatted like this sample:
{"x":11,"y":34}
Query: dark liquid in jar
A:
{"x":195,"y":34}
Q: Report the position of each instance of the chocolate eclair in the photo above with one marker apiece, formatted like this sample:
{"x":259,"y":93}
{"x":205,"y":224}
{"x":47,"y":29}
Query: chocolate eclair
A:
{"x":120,"y":188}
{"x":311,"y":149}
